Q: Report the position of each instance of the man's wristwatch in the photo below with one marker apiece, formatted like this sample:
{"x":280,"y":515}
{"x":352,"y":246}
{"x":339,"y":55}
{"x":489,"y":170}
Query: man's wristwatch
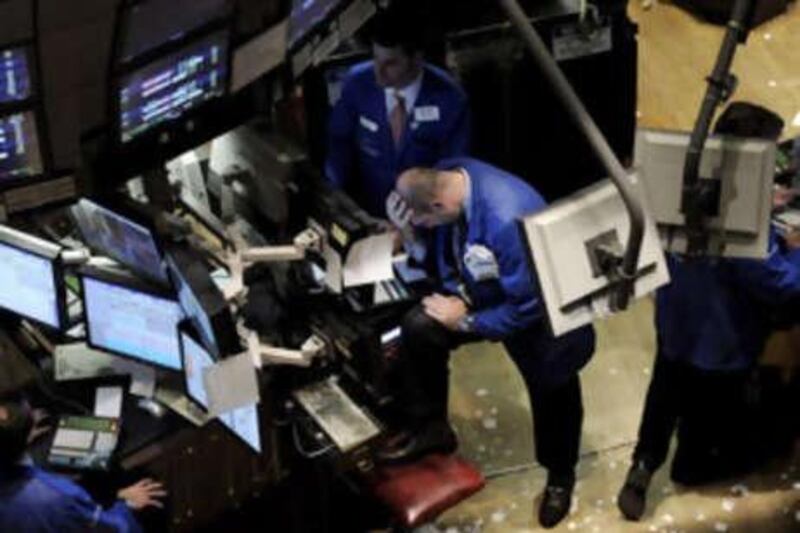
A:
{"x":466,"y":323}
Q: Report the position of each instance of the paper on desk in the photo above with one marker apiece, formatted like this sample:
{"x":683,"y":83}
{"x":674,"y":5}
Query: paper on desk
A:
{"x":78,"y":361}
{"x":369,"y":260}
{"x":108,"y":401}
{"x":231,"y":383}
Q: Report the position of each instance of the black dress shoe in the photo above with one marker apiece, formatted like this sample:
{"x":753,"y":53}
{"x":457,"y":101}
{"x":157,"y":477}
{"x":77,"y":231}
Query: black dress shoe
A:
{"x":408,"y":445}
{"x":632,"y":498}
{"x":556,"y":501}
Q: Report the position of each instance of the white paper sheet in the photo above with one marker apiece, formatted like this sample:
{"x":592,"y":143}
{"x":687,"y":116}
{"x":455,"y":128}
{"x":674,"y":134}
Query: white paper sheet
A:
{"x":231,"y":383}
{"x":369,"y":261}
{"x":108,"y":401}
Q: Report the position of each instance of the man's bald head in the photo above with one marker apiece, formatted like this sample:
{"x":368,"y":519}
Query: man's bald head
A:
{"x":434,"y":196}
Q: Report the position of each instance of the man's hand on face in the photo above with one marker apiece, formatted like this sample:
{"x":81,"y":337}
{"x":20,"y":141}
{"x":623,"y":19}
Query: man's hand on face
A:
{"x":447,"y":310}
{"x":398,"y":211}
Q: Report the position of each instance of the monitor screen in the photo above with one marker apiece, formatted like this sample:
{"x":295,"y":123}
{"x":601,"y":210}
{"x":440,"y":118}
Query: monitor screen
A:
{"x":28,"y":285}
{"x":165,"y":89}
{"x":306,"y":15}
{"x":20,"y":154}
{"x":132,"y":322}
{"x":153,"y":23}
{"x":15,"y":79}
{"x":120,"y":238}
{"x":192,"y":308}
{"x":243,"y":422}
{"x":195,"y":360}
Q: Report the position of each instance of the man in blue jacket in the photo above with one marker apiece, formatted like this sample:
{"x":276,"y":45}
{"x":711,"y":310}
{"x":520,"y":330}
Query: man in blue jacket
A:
{"x":32,"y":500}
{"x":486,"y":290}
{"x":712,"y":323}
{"x":395,"y":112}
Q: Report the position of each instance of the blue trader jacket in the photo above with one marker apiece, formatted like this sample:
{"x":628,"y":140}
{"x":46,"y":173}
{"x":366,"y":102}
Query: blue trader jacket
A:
{"x":715,"y":314}
{"x":507,"y":306}
{"x":32,"y":500}
{"x":362,"y":158}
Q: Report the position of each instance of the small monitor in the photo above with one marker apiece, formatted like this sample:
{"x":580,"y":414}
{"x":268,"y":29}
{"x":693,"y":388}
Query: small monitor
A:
{"x":195,"y":360}
{"x":243,"y":422}
{"x":152,"y":23}
{"x":306,"y":15}
{"x":15,"y":75}
{"x":165,"y":89}
{"x":744,"y":169}
{"x":20,"y":150}
{"x":31,"y":278}
{"x":120,"y":238}
{"x":202,"y":301}
{"x":126,"y":317}
{"x":562,"y":240}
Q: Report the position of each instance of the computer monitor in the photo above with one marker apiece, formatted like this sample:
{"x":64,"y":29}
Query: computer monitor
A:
{"x":195,"y":360}
{"x":307,"y":15}
{"x":166,"y":89}
{"x":202,"y":301}
{"x":15,"y":75}
{"x":130,"y":318}
{"x":149,"y":24}
{"x":561,"y":240}
{"x":32,"y":278}
{"x":243,"y":422}
{"x":20,"y":150}
{"x":745,"y":170}
{"x":120,"y":238}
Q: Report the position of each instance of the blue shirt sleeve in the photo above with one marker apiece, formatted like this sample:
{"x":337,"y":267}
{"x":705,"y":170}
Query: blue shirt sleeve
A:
{"x":774,"y":280}
{"x":340,"y":155}
{"x":522,"y":305}
{"x":82,"y":510}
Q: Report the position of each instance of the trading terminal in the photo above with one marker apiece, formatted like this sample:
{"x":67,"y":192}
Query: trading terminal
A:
{"x":190,"y":299}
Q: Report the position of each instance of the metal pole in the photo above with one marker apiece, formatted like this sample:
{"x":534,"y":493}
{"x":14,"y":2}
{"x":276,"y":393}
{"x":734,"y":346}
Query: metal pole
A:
{"x":597,"y":141}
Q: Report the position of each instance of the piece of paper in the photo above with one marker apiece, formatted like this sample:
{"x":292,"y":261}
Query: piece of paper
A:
{"x":231,"y":383}
{"x":333,"y":269}
{"x":78,"y":361}
{"x":108,"y":401}
{"x":369,"y":261}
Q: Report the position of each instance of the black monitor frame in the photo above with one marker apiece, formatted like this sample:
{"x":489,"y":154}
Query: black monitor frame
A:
{"x":168,"y":139}
{"x":186,"y":328}
{"x":43,"y":249}
{"x":186,"y":264}
{"x":125,"y":281}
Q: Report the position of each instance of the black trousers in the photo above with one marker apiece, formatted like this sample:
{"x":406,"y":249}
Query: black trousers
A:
{"x":423,"y":380}
{"x":708,"y":409}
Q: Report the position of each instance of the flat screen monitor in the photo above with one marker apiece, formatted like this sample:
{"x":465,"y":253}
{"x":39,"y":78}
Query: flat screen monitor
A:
{"x":150,"y":24}
{"x":560,"y":240}
{"x":745,"y":169}
{"x":195,"y":360}
{"x":31,"y":278}
{"x":202,"y":302}
{"x":20,"y":150}
{"x":126,"y":317}
{"x":306,"y":15}
{"x":120,"y":238}
{"x":243,"y":422}
{"x":15,"y":75}
{"x":165,"y":89}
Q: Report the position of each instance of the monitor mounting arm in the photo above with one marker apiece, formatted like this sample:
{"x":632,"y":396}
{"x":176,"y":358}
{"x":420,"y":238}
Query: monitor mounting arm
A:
{"x":627,"y":267}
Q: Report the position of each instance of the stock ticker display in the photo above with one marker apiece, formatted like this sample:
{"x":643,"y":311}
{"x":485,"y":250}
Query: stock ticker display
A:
{"x":167,"y":88}
{"x":15,"y":80}
{"x":20,"y":156}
